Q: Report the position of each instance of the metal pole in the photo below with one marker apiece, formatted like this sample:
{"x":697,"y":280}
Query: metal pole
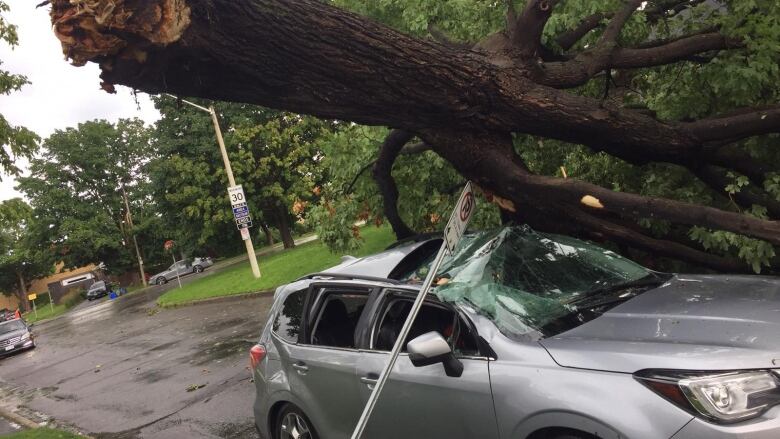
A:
{"x":250,"y":248}
{"x":35,"y":310}
{"x":51,"y":302}
{"x":178,"y":278}
{"x":380,"y":383}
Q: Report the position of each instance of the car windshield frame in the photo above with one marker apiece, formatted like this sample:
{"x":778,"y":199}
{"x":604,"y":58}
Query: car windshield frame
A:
{"x":15,"y":325}
{"x":524,"y":281}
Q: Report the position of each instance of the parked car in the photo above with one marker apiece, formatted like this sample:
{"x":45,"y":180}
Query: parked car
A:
{"x":532,"y":335}
{"x":97,"y":290}
{"x":15,"y":336}
{"x":183,"y":268}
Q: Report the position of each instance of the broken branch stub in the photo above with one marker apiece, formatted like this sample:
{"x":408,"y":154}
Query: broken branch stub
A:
{"x":94,"y":29}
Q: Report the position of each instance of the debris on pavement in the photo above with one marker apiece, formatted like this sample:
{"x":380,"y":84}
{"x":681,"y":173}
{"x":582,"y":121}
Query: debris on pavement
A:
{"x":194,"y":387}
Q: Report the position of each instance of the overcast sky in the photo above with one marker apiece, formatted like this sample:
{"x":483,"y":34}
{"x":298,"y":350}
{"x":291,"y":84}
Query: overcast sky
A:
{"x":60,"y":95}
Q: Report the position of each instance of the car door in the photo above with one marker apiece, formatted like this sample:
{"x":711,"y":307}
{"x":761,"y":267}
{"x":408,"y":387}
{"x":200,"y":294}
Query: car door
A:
{"x":184,"y":267}
{"x":321,"y":368}
{"x":423,"y":402}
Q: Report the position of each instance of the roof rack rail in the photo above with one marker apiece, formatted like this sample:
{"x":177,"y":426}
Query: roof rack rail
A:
{"x":347,"y":276}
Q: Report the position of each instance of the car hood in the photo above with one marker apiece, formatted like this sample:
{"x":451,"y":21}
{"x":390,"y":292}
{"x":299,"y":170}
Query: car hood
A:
{"x":690,"y":322}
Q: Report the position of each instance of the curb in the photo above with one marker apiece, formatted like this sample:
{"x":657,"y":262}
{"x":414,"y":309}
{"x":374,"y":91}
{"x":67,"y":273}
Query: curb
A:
{"x":218,"y":299}
{"x":18,"y":419}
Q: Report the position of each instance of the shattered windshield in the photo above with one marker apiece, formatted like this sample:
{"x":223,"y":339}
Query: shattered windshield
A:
{"x":524,"y":280}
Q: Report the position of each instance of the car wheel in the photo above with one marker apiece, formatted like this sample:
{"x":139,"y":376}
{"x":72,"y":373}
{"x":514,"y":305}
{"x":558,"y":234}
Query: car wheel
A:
{"x":162,"y":281}
{"x":197,"y":269}
{"x":292,"y":423}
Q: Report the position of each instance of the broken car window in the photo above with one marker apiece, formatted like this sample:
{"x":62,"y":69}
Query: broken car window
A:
{"x":430,"y":318}
{"x":524,"y":280}
{"x":336,"y":322}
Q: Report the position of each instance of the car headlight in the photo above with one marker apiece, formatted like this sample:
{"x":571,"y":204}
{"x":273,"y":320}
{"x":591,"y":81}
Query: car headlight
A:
{"x":26,"y":336}
{"x":723,"y":397}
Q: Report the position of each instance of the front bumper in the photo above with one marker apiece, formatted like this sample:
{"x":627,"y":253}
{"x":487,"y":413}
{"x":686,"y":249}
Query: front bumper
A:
{"x":20,"y":346}
{"x":766,"y":426}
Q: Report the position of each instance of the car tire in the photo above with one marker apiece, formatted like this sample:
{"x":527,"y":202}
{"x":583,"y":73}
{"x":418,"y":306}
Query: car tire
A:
{"x":162,"y":281}
{"x":292,"y":419}
{"x":197,"y":269}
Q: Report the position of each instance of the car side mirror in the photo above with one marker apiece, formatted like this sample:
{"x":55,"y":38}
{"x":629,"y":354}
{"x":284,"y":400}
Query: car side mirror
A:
{"x":431,"y":348}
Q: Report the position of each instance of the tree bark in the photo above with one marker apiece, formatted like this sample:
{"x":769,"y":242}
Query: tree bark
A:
{"x":269,"y":238}
{"x":285,"y":229}
{"x":383,"y":175}
{"x":22,"y":291}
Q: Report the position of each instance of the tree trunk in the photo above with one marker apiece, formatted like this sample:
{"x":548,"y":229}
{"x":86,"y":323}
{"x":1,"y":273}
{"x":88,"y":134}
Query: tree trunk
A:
{"x":310,"y":57}
{"x":285,"y":229}
{"x":269,"y":238}
{"x":22,"y":291}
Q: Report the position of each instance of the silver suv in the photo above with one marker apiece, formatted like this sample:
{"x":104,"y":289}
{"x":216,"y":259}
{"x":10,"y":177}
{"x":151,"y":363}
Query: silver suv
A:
{"x":527,"y":335}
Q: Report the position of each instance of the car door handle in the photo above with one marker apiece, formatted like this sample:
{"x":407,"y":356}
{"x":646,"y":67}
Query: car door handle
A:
{"x":369,"y":380}
{"x":301,"y":367}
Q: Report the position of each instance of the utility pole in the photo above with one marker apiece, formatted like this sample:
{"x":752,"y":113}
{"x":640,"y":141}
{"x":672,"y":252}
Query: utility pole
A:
{"x":132,"y":233}
{"x":250,"y":248}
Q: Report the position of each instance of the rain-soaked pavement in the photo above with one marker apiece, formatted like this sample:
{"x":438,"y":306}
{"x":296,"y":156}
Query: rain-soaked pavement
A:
{"x":125,"y":369}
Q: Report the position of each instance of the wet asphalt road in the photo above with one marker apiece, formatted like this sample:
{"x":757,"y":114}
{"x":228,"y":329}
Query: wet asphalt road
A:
{"x":7,"y":427}
{"x":122,"y":368}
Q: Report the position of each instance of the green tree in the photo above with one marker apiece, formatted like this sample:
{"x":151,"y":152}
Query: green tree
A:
{"x":23,"y":255}
{"x":15,"y":142}
{"x":77,"y":188}
{"x":274,"y":157}
{"x":651,"y":124}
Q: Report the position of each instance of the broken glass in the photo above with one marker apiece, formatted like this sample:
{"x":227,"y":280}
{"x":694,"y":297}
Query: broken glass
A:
{"x":524,"y":280}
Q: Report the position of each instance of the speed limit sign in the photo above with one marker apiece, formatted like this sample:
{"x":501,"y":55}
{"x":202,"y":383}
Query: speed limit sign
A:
{"x":236,"y":194}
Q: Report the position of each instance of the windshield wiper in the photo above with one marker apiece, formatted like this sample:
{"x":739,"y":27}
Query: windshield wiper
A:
{"x":595,"y":297}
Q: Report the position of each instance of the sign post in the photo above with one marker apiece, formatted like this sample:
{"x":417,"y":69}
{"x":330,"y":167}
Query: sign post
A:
{"x":32,"y":297}
{"x":169,"y":246}
{"x":456,"y":226}
{"x":242,"y":227}
{"x":51,"y":302}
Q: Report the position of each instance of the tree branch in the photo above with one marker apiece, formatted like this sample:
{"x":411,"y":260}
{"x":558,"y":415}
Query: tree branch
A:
{"x":717,"y":178}
{"x":526,"y":34}
{"x":671,"y":51}
{"x":739,"y":126}
{"x":609,"y":38}
{"x":605,"y":230}
{"x":733,"y":157}
{"x":584,"y":66}
{"x":411,"y":149}
{"x":383,"y":176}
{"x":442,"y":38}
{"x":569,"y":38}
{"x":490,"y":163}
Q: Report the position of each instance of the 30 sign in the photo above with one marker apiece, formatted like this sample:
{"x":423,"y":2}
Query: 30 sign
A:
{"x":236,"y":194}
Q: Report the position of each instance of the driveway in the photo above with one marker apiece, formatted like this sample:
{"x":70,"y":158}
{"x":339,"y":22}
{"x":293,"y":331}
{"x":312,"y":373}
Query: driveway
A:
{"x":125,"y":369}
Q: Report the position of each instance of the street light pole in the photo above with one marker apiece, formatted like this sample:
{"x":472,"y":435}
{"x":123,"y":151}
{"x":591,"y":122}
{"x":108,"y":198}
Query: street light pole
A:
{"x":132,"y":232}
{"x":250,"y":248}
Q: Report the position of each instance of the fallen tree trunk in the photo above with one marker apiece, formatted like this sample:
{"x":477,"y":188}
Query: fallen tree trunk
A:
{"x":308,"y":57}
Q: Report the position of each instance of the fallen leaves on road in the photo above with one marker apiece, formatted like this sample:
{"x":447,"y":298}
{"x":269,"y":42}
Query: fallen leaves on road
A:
{"x":194,"y":387}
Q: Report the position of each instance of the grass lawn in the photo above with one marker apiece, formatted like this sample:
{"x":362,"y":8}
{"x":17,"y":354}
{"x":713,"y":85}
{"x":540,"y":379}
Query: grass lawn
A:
{"x":45,"y":310}
{"x":42,"y":433}
{"x":276,"y":269}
